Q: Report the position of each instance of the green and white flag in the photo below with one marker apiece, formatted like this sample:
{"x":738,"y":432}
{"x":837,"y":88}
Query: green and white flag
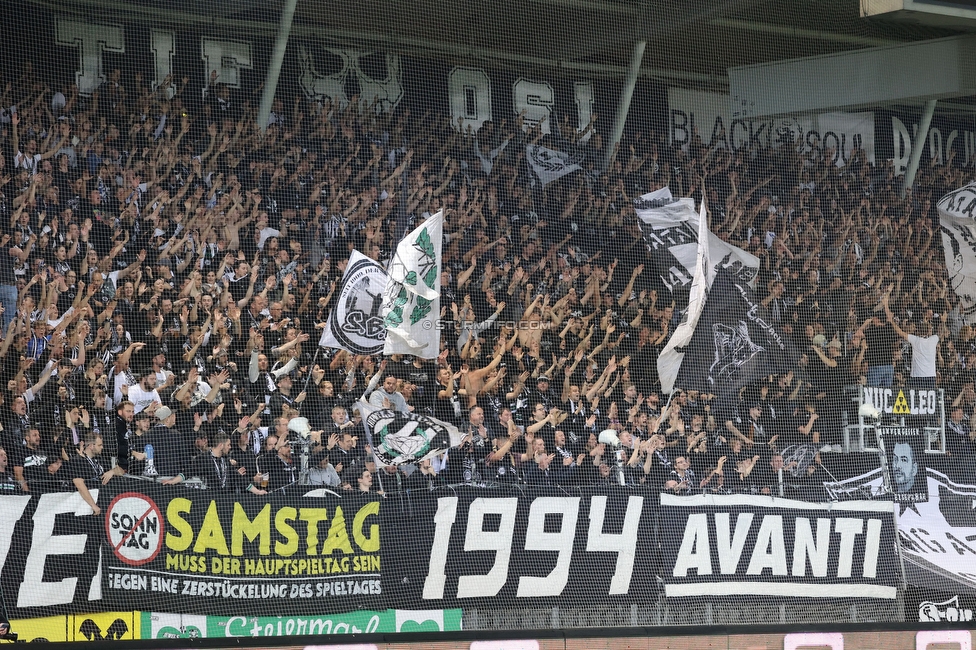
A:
{"x":398,"y":438}
{"x":411,"y":303}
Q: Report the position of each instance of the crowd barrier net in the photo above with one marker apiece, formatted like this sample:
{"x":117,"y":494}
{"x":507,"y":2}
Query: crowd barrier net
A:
{"x":384,"y":318}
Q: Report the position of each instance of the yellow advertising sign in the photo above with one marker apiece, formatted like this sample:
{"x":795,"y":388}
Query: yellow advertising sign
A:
{"x":104,"y":626}
{"x":50,"y":628}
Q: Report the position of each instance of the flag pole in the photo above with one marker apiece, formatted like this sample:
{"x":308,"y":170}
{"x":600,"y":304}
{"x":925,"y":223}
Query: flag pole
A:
{"x":318,"y":348}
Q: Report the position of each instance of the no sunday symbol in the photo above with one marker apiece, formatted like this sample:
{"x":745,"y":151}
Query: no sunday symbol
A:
{"x":134,"y":526}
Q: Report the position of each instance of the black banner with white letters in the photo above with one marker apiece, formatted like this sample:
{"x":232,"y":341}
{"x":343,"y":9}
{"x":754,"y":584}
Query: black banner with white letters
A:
{"x":510,"y":549}
{"x":749,"y":545}
{"x":188,"y":551}
{"x":939,"y":606}
{"x":48,"y":555}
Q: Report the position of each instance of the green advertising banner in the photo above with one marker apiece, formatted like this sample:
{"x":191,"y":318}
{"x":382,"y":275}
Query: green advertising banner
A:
{"x":156,"y":625}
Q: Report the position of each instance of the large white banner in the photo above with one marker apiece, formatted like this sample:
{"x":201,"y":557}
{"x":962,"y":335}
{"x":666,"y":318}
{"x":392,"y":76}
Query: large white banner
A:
{"x":956,"y":212}
{"x":719,"y":123}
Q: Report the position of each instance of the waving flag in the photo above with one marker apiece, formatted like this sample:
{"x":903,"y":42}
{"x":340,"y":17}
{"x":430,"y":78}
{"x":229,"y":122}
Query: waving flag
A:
{"x":956,"y":211}
{"x":396,"y":438}
{"x":356,"y":324}
{"x":411,"y":303}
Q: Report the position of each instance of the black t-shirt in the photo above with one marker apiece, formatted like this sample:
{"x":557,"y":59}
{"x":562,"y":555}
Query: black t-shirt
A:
{"x":170,"y":450}
{"x":216,"y":472}
{"x":280,"y":473}
{"x":7,"y":484}
{"x":35,"y":463}
{"x":7,"y":264}
{"x":137,"y":443}
{"x":83,"y":467}
{"x":881,"y":340}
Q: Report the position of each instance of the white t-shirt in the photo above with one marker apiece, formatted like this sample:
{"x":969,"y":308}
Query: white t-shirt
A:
{"x":110,"y":284}
{"x":923,"y":355}
{"x":141,"y":399}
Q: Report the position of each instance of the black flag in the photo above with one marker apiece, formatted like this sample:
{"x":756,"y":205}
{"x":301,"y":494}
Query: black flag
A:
{"x":734,"y":343}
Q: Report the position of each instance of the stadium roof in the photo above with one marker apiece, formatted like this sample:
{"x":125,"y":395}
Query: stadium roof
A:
{"x":692,"y":41}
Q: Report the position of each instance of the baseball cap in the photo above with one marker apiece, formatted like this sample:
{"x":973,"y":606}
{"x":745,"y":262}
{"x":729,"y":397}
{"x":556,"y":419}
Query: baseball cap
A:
{"x":163,"y":412}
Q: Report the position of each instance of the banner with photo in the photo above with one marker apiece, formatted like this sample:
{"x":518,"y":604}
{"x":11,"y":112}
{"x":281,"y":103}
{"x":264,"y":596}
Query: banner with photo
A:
{"x":750,"y":545}
{"x":938,"y":536}
{"x":905,"y":454}
{"x":956,"y":218}
{"x":355,"y":323}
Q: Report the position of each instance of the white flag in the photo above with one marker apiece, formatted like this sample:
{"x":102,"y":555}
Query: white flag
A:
{"x":956,"y":216}
{"x":411,"y":303}
{"x":669,"y":361}
{"x":549,"y":164}
{"x":356,"y":323}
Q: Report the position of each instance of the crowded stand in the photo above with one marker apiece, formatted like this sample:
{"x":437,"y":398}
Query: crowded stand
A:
{"x":167,"y":270}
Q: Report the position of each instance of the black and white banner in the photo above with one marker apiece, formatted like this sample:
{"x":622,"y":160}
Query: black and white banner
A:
{"x":550,"y":165}
{"x":397,"y":438}
{"x":957,"y":210}
{"x":938,"y":606}
{"x":746,"y":545}
{"x":686,"y":255}
{"x":938,"y":537}
{"x":734,"y":343}
{"x":472,"y":545}
{"x":356,"y":323}
{"x":722,"y":123}
{"x":670,"y":228}
{"x":49,"y":554}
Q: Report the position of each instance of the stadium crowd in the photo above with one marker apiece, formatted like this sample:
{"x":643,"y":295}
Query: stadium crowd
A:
{"x":166,"y":271}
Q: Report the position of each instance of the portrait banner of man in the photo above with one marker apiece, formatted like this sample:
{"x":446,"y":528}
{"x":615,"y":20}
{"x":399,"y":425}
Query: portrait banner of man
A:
{"x":905,"y":455}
